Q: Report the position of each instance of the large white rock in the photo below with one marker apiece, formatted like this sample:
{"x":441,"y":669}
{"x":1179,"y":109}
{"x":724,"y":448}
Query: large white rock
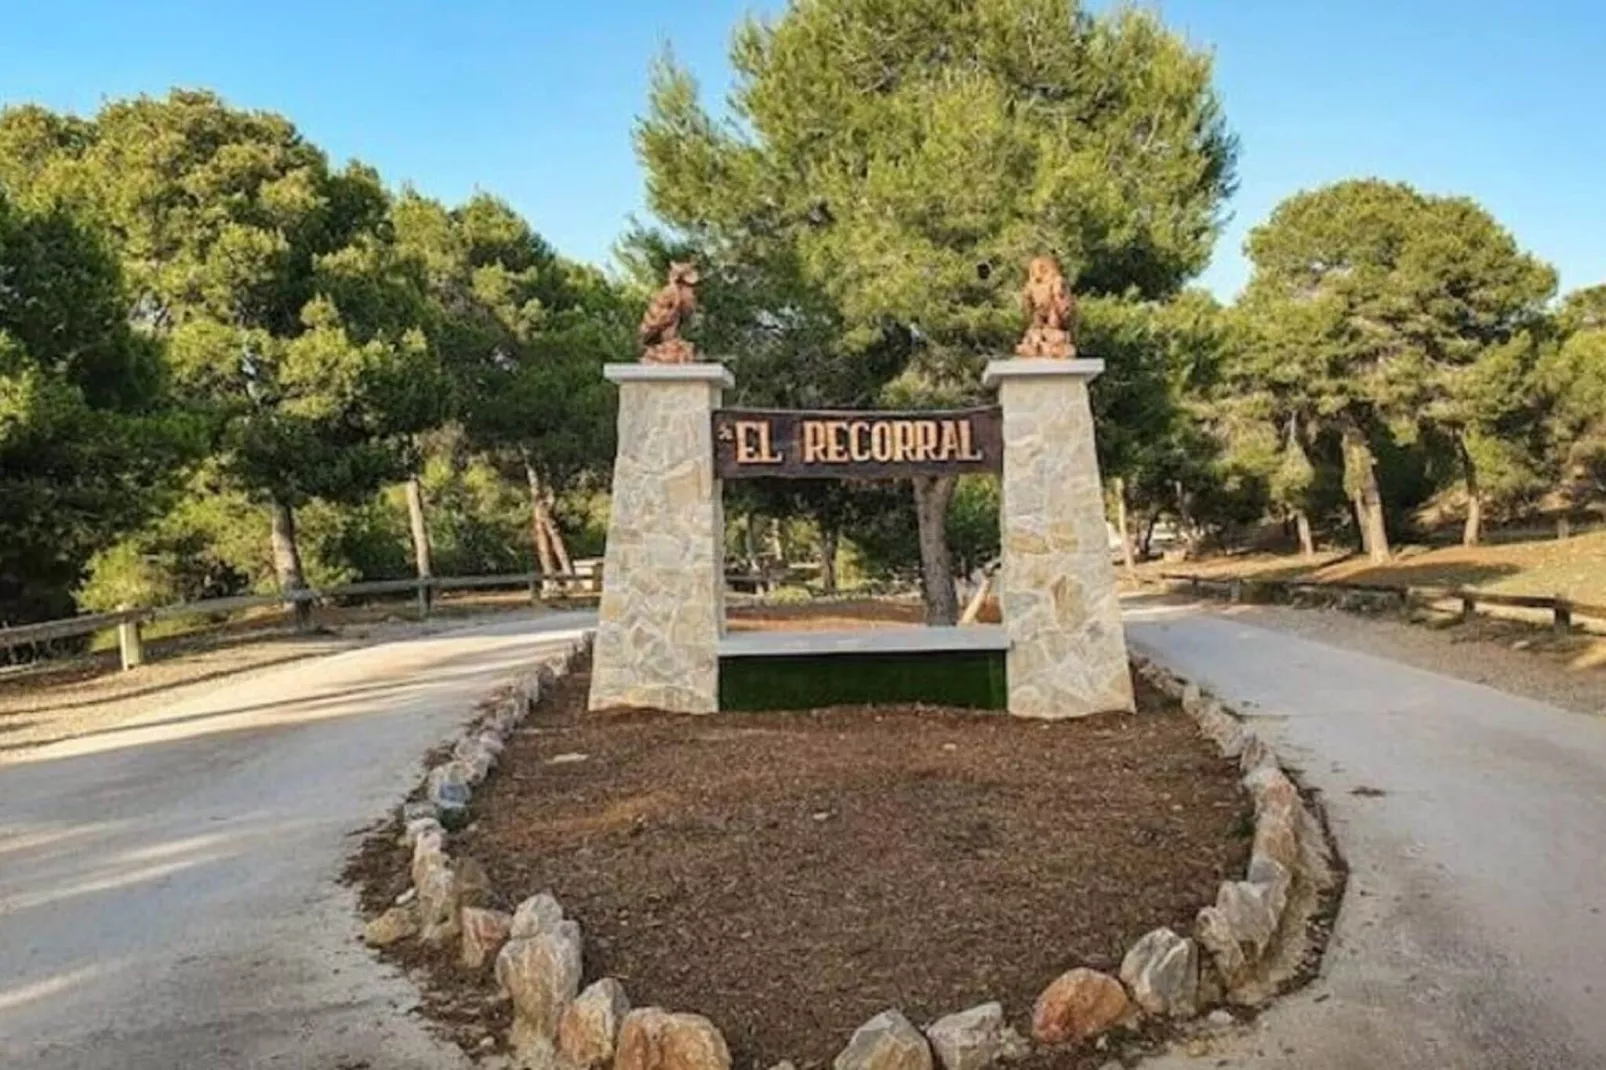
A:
{"x":438,"y":903}
{"x":1249,"y":914}
{"x":590,"y":1025}
{"x":536,"y":915}
{"x":542,"y":975}
{"x":484,"y":933}
{"x":974,"y":1039}
{"x":1162,"y":972}
{"x":651,"y":1039}
{"x":1067,"y":655}
{"x":477,"y":755}
{"x":419,"y":826}
{"x":393,"y":926}
{"x":885,"y":1042}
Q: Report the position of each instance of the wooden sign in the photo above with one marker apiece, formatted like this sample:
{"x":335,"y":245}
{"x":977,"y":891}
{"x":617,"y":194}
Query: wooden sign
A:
{"x":754,"y":443}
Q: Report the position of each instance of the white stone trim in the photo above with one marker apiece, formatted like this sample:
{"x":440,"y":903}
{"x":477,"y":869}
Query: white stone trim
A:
{"x":717,"y":374}
{"x":1039,"y":368}
{"x":913,"y":640}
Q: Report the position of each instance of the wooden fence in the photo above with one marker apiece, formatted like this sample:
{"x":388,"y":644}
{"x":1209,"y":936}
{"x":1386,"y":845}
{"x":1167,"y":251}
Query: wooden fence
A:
{"x":298,"y":602}
{"x":1562,"y":610}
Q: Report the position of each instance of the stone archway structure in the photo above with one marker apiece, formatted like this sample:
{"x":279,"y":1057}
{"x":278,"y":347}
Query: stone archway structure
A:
{"x":661,"y":622}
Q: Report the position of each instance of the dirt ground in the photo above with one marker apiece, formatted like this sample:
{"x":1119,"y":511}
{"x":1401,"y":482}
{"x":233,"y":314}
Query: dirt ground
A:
{"x":1575,"y":567}
{"x":825,"y":615}
{"x":792,"y":874}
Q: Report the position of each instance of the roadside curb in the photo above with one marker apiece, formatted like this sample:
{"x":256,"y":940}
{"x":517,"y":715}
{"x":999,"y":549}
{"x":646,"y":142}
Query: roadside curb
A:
{"x":1261,"y":933}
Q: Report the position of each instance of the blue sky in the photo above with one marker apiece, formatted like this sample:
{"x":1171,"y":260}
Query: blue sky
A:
{"x":534,"y":100}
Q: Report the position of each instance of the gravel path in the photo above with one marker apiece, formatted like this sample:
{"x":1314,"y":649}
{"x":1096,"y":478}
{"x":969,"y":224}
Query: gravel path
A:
{"x":1474,"y":823}
{"x":168,"y":886}
{"x":86,"y":697}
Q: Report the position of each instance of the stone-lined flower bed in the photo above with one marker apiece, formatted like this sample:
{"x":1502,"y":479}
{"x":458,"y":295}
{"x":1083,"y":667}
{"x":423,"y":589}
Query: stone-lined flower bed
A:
{"x":1252,"y":941}
{"x":444,"y":901}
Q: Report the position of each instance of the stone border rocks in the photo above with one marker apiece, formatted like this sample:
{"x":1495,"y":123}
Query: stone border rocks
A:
{"x":536,"y":949}
{"x":1258,"y":935}
{"x":1252,"y":942}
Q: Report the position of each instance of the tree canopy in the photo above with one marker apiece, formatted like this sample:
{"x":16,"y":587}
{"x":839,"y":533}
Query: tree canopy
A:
{"x":85,"y":439}
{"x":221,"y":353}
{"x":887,"y":168}
{"x":179,"y":256}
{"x":1375,"y":309}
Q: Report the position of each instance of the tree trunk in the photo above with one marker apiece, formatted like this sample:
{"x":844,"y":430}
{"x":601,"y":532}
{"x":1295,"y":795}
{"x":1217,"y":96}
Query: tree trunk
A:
{"x":555,"y":537}
{"x":932,"y":495}
{"x":539,"y":523}
{"x":1185,"y":520}
{"x":1361,"y":478}
{"x":750,"y":548}
{"x":286,"y":554}
{"x":1380,"y":535}
{"x":287,"y":559}
{"x":978,"y":601}
{"x":1472,"y":533}
{"x":828,"y":547}
{"x":1125,"y":529}
{"x":1372,"y":503}
{"x":1362,"y":524}
{"x":415,"y":519}
{"x":1307,"y":545}
{"x":1147,"y":545}
{"x":777,"y":544}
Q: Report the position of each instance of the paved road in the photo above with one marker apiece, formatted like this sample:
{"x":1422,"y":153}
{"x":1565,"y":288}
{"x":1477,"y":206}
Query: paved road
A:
{"x":1473,"y":933}
{"x":167,"y":887}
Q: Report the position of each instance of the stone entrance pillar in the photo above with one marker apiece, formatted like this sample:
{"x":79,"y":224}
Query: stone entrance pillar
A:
{"x":663,"y":576}
{"x":1067,"y":654}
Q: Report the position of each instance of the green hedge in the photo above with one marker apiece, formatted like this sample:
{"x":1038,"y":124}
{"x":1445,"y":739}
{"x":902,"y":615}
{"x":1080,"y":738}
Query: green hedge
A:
{"x":806,"y":681}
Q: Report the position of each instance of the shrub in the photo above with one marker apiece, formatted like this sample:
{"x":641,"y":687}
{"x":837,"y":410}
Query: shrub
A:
{"x":790,"y":595}
{"x":129,"y":573}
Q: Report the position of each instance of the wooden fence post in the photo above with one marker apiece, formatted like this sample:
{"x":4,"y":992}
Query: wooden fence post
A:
{"x":130,"y":646}
{"x":424,"y":597}
{"x":1469,"y":605}
{"x":1235,"y":590}
{"x":1564,"y":615}
{"x":301,"y":606}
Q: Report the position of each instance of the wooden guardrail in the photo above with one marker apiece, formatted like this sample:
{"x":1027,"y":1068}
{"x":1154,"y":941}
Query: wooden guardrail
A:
{"x":1247,"y":588}
{"x":128,"y":622}
{"x":300,"y":602}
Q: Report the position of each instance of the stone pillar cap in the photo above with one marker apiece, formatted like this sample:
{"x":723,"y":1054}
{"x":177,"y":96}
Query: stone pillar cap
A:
{"x":669,"y":373}
{"x":1039,"y":368}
